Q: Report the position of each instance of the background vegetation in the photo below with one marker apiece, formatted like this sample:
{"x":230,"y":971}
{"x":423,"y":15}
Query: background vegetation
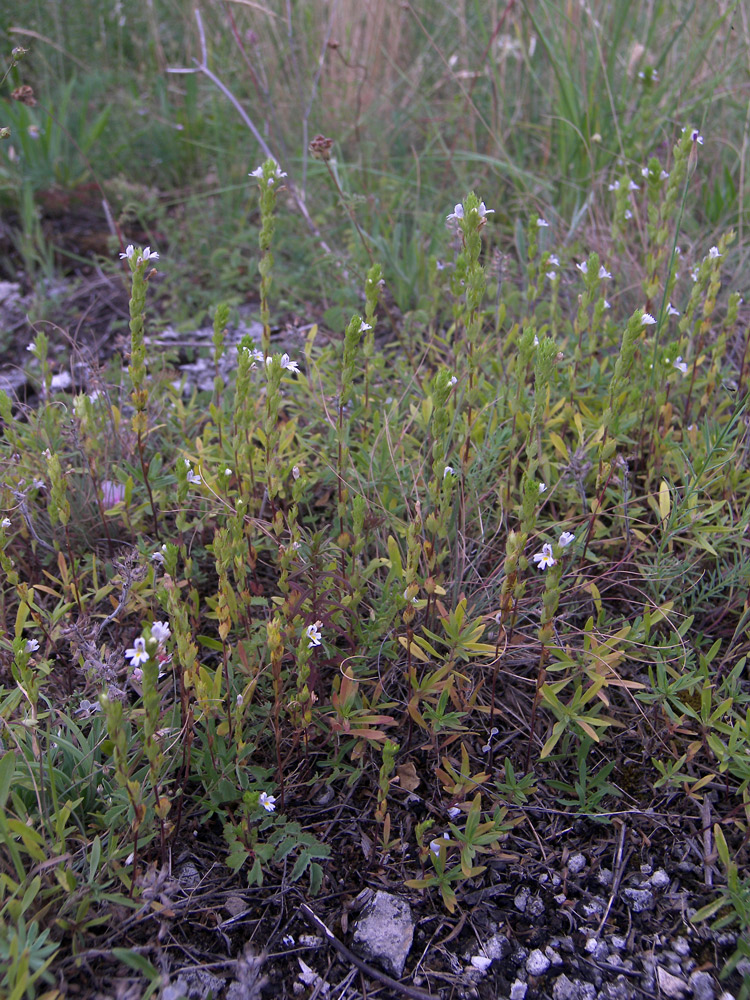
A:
{"x":359,"y":545}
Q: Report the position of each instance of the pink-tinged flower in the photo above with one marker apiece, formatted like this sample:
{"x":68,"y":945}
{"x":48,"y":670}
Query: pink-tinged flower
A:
{"x":112,"y":493}
{"x":267,"y":801}
{"x":647,"y":319}
{"x":566,"y":538}
{"x":313,"y":634}
{"x":137,"y":653}
{"x":544,"y":559}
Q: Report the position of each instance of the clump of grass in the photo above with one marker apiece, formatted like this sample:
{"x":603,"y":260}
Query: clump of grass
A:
{"x":348,"y":562}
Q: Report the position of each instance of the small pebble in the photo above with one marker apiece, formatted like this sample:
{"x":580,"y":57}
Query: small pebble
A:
{"x":576,"y":863}
{"x":537,"y":963}
{"x":518,"y":990}
{"x":671,"y":986}
{"x":646,"y":869}
{"x":702,"y":985}
{"x":638,"y":899}
{"x":604,"y":877}
{"x":521,"y":900}
{"x":660,"y":879}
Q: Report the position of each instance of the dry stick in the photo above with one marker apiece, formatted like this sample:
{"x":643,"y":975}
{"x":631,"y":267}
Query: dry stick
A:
{"x":619,"y":868}
{"x":394,"y":984}
{"x":202,"y":67}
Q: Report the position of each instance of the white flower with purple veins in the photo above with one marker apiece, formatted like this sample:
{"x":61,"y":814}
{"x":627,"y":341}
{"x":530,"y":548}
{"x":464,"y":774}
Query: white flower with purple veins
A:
{"x":542,"y":223}
{"x":680,"y":365}
{"x":544,"y":559}
{"x":696,"y":136}
{"x":713,"y":253}
{"x":129,"y":253}
{"x":32,"y":645}
{"x":439,"y":842}
{"x":267,"y":801}
{"x":291,"y":366}
{"x":566,"y":538}
{"x":137,"y":653}
{"x":161,"y":632}
{"x":583,"y":267}
{"x":671,"y":311}
{"x":313,"y":634}
{"x":456,"y":214}
{"x":364,"y":327}
{"x":647,"y":319}
{"x":603,"y":272}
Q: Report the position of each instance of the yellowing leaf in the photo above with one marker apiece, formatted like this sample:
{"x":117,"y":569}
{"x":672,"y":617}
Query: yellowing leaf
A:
{"x":416,"y":652}
{"x":665,"y":500}
{"x":559,"y":445}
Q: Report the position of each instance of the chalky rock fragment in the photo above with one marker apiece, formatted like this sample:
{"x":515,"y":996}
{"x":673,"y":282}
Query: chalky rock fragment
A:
{"x":384,"y":932}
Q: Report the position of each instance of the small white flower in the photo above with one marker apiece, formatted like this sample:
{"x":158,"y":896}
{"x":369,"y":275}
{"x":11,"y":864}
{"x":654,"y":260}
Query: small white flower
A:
{"x":267,"y":801}
{"x":448,"y":471}
{"x":644,"y":171}
{"x":194,"y":478}
{"x":671,"y":311}
{"x":258,"y":172}
{"x":680,"y":365}
{"x":614,"y":186}
{"x":607,"y":305}
{"x":149,"y":254}
{"x":542,"y":487}
{"x":137,"y":654}
{"x":129,"y":253}
{"x":536,"y":340}
{"x":628,"y":214}
{"x":227,"y":472}
{"x":566,"y":538}
{"x":31,"y":347}
{"x":38,"y":484}
{"x":291,"y":366}
{"x":239,"y":701}
{"x":453,"y":380}
{"x":583,"y":267}
{"x":313,"y":634}
{"x":632,"y":186}
{"x":295,"y":471}
{"x":5,"y":523}
{"x":647,"y":319}
{"x":436,"y":844}
{"x":542,"y":223}
{"x":32,"y":645}
{"x":87,"y":707}
{"x":544,"y":558}
{"x":696,"y":136}
{"x":160,"y":631}
{"x":551,"y":275}
{"x":364,"y":327}
{"x":664,"y":175}
{"x":714,"y":253}
{"x":484,"y":211}
{"x":457,"y":213}
{"x":603,"y":272}
{"x":454,"y":812}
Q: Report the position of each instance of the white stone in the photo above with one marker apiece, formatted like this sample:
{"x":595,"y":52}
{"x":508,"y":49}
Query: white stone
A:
{"x":537,"y":963}
{"x":385,"y":931}
{"x":671,"y":986}
{"x":576,"y":863}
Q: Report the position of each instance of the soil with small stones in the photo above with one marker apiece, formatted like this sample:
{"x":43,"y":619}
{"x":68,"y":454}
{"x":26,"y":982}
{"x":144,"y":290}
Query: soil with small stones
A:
{"x":571,"y":908}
